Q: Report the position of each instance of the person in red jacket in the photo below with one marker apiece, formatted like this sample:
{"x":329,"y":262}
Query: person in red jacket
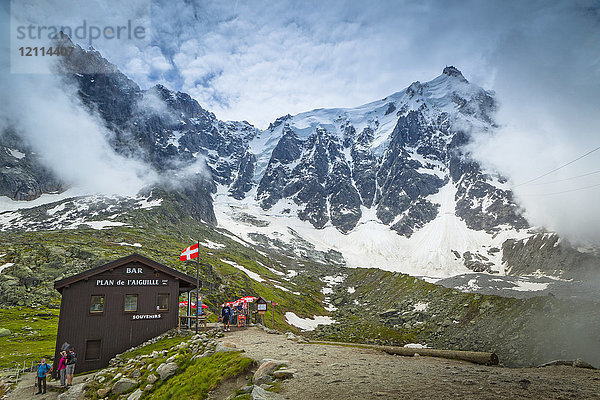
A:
{"x":62,"y":368}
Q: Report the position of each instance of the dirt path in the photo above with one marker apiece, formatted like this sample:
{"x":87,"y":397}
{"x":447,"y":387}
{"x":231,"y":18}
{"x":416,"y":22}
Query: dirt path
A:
{"x":356,"y":374}
{"x":25,"y":389}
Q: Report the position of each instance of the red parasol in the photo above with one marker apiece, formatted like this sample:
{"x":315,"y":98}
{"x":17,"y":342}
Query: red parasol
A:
{"x":185,"y":303}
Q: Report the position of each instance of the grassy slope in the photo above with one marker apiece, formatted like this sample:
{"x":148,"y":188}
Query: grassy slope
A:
{"x":395,"y":309}
{"x":200,"y":377}
{"x":192,"y":380}
{"x":521,"y":331}
{"x":42,"y":257}
{"x":33,"y":335}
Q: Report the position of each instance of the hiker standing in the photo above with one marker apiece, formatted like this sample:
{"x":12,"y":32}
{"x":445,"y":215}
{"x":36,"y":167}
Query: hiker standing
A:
{"x":42,"y":370}
{"x":226,"y":314}
{"x":62,"y":368}
{"x":71,"y":360}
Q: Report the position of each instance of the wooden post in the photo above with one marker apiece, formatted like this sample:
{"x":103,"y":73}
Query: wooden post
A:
{"x":189,"y":310}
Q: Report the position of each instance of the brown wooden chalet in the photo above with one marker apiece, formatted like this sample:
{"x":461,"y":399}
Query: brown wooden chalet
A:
{"x":111,"y":308}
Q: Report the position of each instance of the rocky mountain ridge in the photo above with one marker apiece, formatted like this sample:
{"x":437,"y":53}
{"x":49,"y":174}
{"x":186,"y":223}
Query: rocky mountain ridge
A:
{"x":390,"y":180}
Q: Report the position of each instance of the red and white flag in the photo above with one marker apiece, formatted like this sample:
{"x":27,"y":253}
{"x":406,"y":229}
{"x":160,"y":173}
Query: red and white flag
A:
{"x":189,"y":253}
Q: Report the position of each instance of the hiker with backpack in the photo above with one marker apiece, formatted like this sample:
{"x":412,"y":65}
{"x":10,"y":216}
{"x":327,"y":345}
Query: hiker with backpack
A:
{"x":40,"y":379}
{"x":71,"y":360}
{"x":62,"y":368}
{"x":226,"y":314}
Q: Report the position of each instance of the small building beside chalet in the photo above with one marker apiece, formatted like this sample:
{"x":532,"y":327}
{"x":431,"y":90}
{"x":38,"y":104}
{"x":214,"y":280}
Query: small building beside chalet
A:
{"x":116,"y":306}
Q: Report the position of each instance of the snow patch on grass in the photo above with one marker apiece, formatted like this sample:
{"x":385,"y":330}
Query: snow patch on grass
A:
{"x":251,"y":275}
{"x":4,"y":266}
{"x":130,"y":244}
{"x":146,"y":203}
{"x":211,"y":245}
{"x":524,"y":286}
{"x":415,"y":346}
{"x":98,"y":224}
{"x":281,"y":287}
{"x":279,"y":273}
{"x":307,"y":324}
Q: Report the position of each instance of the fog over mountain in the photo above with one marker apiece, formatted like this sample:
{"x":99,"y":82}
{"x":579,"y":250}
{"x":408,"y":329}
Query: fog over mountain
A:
{"x":545,"y":79}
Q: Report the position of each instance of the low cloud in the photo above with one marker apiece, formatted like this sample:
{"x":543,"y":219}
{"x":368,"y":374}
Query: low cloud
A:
{"x":71,"y":142}
{"x":547,"y":80}
{"x":260,"y":60}
{"x":152,"y":104}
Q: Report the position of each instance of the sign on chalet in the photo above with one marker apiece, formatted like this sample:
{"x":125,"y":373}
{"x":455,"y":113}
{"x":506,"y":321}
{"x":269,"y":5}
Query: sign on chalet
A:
{"x":119,"y":305}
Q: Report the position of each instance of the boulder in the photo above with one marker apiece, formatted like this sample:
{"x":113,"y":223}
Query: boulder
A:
{"x":123,"y":385}
{"x":267,"y":366}
{"x":166,"y":370}
{"x":579,"y":363}
{"x":148,"y":387}
{"x":4,"y":332}
{"x":75,"y":392}
{"x":246,"y":389}
{"x":225,"y":346}
{"x":284,"y":373}
{"x":152,"y":378}
{"x":135,"y":395}
{"x":259,"y":393}
{"x":103,"y":392}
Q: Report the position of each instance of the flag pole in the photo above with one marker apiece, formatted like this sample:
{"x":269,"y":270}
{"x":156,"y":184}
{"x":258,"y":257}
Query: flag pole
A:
{"x":197,"y":285}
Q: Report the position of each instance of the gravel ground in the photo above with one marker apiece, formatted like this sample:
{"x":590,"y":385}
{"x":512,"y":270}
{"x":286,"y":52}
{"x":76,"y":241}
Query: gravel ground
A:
{"x":351,"y":373}
{"x":25,"y":389}
{"x":357,"y":374}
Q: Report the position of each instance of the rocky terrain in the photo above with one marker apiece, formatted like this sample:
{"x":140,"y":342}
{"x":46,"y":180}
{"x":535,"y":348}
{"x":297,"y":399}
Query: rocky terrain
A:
{"x":321,"y":184}
{"x":287,"y":367}
{"x":298,"y":213}
{"x":351,"y":373}
{"x":371,"y":306}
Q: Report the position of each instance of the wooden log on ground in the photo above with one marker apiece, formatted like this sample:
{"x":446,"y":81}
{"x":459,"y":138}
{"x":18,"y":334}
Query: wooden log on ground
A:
{"x":477,"y":357}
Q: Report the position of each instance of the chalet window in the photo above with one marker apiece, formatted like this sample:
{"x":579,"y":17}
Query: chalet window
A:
{"x":97,"y":305}
{"x":162,"y":302}
{"x":92,"y":350}
{"x":131,"y":301}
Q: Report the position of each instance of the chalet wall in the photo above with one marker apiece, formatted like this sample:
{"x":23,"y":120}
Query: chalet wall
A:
{"x":118,"y":330}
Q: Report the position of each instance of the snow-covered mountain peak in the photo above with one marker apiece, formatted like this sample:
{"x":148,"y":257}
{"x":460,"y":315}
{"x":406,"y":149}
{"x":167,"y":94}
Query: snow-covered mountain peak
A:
{"x":395,"y":163}
{"x":332,"y":181}
{"x":454,"y":72}
{"x":448,"y":93}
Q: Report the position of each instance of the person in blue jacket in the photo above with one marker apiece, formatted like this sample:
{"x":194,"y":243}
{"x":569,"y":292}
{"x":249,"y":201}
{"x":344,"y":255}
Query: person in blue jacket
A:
{"x":42,"y":370}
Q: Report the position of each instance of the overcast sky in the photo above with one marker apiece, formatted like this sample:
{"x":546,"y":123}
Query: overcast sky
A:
{"x":258,"y":60}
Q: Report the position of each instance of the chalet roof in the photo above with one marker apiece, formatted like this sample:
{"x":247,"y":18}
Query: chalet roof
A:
{"x":186,"y":281}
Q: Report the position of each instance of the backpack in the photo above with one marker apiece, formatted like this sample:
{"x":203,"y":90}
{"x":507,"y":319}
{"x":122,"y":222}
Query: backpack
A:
{"x":71,"y":358}
{"x":44,"y":369}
